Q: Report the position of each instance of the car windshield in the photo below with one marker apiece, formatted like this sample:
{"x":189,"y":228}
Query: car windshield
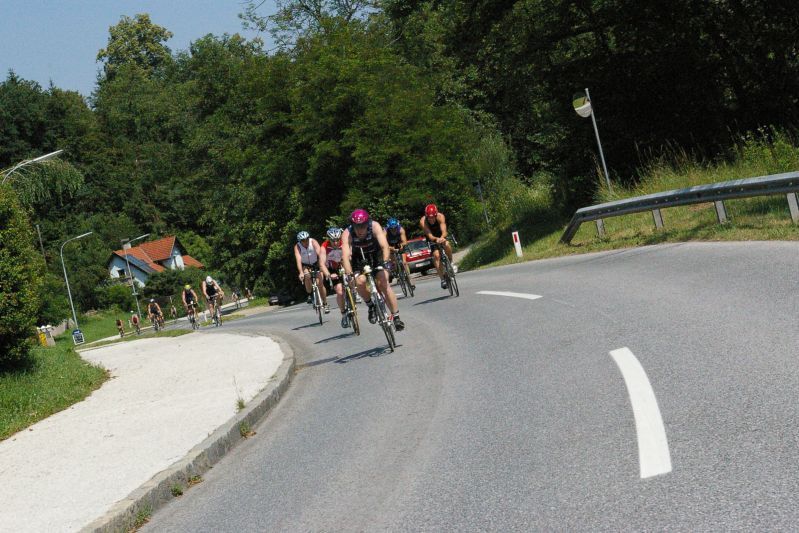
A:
{"x":415,"y":246}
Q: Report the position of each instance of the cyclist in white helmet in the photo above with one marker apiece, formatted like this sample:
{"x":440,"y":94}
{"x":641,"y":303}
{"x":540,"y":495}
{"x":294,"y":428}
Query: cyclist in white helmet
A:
{"x":330,"y":262}
{"x":306,"y":253}
{"x":211,"y":291}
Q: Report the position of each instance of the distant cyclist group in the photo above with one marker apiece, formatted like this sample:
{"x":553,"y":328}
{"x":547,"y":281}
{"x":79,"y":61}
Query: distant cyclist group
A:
{"x":362,"y":251}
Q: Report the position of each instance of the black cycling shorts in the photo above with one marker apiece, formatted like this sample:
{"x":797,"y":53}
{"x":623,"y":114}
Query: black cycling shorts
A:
{"x":371,"y":260}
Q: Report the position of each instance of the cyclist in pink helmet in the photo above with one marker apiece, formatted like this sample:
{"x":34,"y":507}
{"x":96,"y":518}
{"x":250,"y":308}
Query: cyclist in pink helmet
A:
{"x":364,"y":243}
{"x":434,"y":226}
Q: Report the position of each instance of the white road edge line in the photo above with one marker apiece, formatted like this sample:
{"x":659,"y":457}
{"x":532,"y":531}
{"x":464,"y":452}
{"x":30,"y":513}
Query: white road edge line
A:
{"x":653,"y":447}
{"x":511,"y":294}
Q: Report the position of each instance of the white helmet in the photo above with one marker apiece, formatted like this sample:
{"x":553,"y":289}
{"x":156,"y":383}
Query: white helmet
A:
{"x":334,"y":233}
{"x":209,"y":279}
{"x":301,"y":236}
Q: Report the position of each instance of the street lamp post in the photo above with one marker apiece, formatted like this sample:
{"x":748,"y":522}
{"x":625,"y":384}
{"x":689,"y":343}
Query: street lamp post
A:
{"x":40,"y":159}
{"x":584,"y":108}
{"x":66,"y":279}
{"x":130,"y":275}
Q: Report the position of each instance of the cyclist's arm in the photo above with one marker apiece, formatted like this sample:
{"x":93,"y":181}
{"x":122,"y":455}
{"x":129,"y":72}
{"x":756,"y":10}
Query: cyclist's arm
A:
{"x":323,"y":261}
{"x":426,"y":230}
{"x":403,"y":239}
{"x":298,"y":258}
{"x":219,"y":290}
{"x":381,"y":239}
{"x":346,"y":251}
{"x":442,"y":222}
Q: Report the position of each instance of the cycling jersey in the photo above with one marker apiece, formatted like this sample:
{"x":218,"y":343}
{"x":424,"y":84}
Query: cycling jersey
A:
{"x":188,"y":296}
{"x":154,"y":310}
{"x":210,"y":290}
{"x":334,"y":255}
{"x":393,"y":239}
{"x":434,"y":228}
{"x":364,"y":248}
{"x":308,"y":255}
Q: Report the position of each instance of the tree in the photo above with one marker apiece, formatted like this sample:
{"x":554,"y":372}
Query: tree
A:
{"x":136,"y":41}
{"x":20,"y":279}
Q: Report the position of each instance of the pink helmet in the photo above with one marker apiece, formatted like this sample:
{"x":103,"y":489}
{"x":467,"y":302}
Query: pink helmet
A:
{"x":359,"y":216}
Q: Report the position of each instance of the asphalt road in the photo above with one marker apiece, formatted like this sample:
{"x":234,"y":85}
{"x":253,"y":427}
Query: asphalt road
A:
{"x":508,"y":413}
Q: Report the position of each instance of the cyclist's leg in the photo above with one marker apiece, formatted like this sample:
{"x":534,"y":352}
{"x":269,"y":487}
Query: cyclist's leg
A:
{"x":363,"y":290}
{"x":448,"y":247}
{"x":437,"y":261}
{"x":381,"y":278}
{"x":339,"y":288}
{"x":320,"y":282}
{"x":307,"y":279}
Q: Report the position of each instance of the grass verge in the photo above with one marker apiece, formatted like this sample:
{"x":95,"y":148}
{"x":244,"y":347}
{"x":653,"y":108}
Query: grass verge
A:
{"x":148,"y":335}
{"x":57,"y":379}
{"x":760,"y":218}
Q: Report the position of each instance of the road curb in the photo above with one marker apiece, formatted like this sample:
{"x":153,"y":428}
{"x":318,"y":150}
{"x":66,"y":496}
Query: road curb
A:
{"x":157,"y":492}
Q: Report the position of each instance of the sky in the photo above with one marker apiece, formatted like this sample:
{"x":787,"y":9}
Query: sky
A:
{"x":58,"y":40}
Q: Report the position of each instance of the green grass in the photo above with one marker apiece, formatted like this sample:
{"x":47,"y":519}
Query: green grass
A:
{"x":57,"y":379}
{"x":761,"y":218}
{"x":102,"y":324}
{"x":148,"y":335}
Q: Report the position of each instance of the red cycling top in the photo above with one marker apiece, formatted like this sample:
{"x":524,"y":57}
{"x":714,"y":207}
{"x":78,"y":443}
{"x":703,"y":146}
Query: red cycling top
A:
{"x":334,"y":255}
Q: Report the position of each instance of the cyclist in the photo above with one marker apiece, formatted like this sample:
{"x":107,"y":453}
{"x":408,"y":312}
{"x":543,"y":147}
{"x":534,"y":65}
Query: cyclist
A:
{"x":120,"y":328}
{"x":397,"y":240}
{"x":306,"y":253}
{"x":364,"y":238}
{"x":134,"y":322}
{"x":211,"y":291}
{"x":434,"y":226}
{"x":173,"y":312}
{"x":330,"y":262}
{"x":190,"y":300}
{"x":154,"y":311}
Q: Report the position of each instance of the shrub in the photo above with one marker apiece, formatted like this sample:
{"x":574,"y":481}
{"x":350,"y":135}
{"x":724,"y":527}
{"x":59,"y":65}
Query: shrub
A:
{"x":54,"y":304}
{"x":115,"y":295}
{"x":20,"y":279}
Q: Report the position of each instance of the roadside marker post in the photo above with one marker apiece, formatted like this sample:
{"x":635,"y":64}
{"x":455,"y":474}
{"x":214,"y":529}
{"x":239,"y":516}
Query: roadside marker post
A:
{"x":517,"y":243}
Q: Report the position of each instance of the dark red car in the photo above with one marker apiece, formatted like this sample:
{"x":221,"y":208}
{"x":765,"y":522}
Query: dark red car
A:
{"x":418,"y":256}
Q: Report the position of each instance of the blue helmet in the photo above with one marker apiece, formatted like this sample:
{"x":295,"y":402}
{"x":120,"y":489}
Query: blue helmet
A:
{"x":393,"y":224}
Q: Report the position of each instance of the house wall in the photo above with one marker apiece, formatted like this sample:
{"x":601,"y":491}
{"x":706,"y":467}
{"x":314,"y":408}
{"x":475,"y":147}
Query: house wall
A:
{"x":176,"y":261}
{"x":118,"y":264}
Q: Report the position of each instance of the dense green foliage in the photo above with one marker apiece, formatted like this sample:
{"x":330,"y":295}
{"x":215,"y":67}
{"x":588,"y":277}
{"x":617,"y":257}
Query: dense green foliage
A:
{"x":385,"y":105}
{"x":19,"y":282}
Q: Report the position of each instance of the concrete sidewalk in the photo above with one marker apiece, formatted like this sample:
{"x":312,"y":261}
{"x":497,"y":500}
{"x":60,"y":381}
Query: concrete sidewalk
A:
{"x":168,"y":412}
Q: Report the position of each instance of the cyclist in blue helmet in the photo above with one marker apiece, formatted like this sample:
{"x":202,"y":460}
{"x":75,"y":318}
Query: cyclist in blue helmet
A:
{"x":397,"y":240}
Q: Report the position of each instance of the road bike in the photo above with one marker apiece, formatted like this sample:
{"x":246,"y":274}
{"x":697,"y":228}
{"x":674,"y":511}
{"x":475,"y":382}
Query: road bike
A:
{"x":192,"y":315}
{"x":136,"y":326}
{"x":403,"y":276}
{"x":318,"y":305}
{"x":157,"y":322}
{"x":350,"y":309}
{"x":447,"y":266}
{"x":384,"y":318}
{"x":217,"y":311}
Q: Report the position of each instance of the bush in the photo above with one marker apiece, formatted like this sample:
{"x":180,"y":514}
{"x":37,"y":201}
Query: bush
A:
{"x":115,"y":295}
{"x":170,"y":282}
{"x":20,"y":279}
{"x":54,"y":304}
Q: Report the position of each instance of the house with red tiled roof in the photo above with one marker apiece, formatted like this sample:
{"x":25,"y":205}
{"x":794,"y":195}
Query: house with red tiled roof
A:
{"x":148,"y":258}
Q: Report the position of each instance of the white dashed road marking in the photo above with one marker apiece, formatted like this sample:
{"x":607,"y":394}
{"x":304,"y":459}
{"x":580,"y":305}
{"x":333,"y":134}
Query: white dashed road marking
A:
{"x":653,"y":447}
{"x":511,"y":294}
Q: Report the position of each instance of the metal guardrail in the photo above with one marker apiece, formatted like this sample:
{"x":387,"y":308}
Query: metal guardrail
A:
{"x":787,"y":183}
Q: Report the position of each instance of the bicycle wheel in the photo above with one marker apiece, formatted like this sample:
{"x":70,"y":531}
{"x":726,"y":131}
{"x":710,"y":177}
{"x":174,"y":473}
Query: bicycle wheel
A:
{"x":317,"y":302}
{"x":353,"y":312}
{"x":385,"y":323}
{"x":403,"y":284}
{"x":408,"y":281}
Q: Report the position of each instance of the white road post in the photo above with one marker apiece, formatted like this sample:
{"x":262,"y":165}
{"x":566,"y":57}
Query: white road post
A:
{"x":517,"y":243}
